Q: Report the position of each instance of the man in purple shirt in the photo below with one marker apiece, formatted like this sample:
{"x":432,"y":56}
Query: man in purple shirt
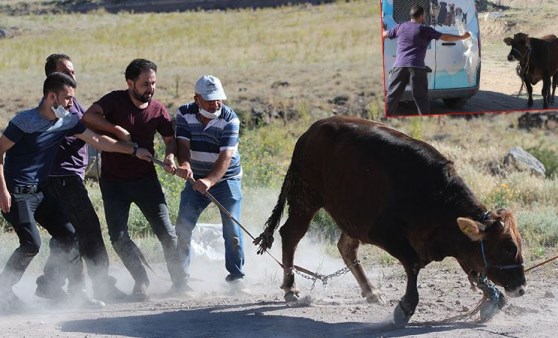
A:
{"x":66,"y":183}
{"x":30,"y":142}
{"x":413,"y":38}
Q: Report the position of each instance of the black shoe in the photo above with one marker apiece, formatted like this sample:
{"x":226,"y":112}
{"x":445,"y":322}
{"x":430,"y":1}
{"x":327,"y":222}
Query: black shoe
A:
{"x":179,"y":289}
{"x":56,"y":294}
{"x":232,"y":278}
{"x":10,"y":303}
{"x":110,"y":293}
{"x":139,"y":293}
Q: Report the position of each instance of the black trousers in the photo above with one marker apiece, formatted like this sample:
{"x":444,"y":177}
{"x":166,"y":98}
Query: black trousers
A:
{"x":399,"y":79}
{"x":26,"y":211}
{"x":75,"y":202}
{"x":148,"y":195}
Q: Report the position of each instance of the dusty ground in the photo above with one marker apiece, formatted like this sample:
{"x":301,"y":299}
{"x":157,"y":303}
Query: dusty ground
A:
{"x":335,"y":311}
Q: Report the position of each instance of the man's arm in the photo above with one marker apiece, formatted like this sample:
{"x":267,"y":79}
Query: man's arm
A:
{"x":94,"y":118}
{"x":106,"y":143}
{"x":384,"y":34}
{"x":170,"y":151}
{"x":5,"y":197}
{"x":219,"y":169}
{"x":451,"y":37}
{"x":184,"y":170}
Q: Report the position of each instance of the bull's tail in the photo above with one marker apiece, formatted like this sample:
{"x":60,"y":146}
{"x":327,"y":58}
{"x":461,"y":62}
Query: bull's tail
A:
{"x":290,"y":185}
{"x":265,"y":239}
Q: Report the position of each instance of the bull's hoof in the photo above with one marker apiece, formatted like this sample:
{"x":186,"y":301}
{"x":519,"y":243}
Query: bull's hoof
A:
{"x":374,"y":297}
{"x":502,"y":301}
{"x":400,"y":317}
{"x":488,"y":309}
{"x":292,"y":296}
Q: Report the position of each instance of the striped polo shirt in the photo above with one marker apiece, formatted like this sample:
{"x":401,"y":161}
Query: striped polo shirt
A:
{"x":206,"y":143}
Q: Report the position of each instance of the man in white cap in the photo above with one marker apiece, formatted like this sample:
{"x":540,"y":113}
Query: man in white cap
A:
{"x":207,"y":134}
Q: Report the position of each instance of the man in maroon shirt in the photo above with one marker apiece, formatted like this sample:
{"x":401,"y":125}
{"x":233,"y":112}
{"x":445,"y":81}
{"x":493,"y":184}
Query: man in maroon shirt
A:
{"x":133,"y":115}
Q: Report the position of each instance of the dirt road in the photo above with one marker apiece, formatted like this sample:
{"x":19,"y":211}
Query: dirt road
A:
{"x":335,"y":311}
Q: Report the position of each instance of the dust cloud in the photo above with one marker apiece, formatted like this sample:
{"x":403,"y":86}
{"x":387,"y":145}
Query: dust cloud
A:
{"x":207,"y":269}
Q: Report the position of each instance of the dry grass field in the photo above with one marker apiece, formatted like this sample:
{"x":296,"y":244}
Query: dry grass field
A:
{"x":282,"y":69}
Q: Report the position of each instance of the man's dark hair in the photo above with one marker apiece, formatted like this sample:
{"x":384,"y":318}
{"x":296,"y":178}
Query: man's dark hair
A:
{"x":52,"y":61}
{"x":138,"y":66}
{"x":416,"y":11}
{"x":56,"y":82}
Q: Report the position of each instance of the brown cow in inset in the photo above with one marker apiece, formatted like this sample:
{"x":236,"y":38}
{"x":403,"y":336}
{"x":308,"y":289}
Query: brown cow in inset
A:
{"x":385,"y":188}
{"x":538,"y":60}
{"x":553,"y":63}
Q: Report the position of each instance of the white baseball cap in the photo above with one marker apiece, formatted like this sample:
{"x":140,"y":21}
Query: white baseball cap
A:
{"x":210,"y":88}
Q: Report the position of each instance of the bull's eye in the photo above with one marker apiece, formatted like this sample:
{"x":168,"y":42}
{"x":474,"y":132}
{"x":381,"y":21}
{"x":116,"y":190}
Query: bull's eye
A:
{"x":510,"y":250}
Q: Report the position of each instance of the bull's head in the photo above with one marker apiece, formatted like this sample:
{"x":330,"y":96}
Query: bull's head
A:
{"x":519,"y":46}
{"x":498,"y":254}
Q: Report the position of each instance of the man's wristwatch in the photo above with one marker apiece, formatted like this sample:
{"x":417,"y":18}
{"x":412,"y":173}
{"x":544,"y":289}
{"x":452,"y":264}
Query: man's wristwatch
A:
{"x":135,"y":149}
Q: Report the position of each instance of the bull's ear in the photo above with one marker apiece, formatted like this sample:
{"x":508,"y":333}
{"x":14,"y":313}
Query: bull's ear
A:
{"x":470,"y":228}
{"x":508,"y":41}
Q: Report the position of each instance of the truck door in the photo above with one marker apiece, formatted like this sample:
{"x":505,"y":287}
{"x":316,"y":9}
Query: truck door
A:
{"x":453,"y":67}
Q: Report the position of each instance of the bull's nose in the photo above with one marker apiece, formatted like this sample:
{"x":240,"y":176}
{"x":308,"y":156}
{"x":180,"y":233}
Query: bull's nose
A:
{"x":510,"y":58}
{"x":521,"y":292}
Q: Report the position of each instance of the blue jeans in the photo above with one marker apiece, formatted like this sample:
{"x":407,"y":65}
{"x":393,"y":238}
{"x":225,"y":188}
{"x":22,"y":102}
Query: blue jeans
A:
{"x":193,"y":203}
{"x":148,"y":195}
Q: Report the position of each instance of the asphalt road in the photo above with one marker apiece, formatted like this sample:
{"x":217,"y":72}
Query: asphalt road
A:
{"x":482,"y":102}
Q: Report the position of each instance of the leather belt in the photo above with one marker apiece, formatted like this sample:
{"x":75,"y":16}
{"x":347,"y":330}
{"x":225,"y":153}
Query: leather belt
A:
{"x":25,"y":189}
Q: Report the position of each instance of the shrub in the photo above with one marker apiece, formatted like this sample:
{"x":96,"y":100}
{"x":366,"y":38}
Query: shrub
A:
{"x":548,"y":157}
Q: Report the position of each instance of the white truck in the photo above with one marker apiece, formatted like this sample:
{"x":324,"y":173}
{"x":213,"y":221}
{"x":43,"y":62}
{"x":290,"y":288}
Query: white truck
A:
{"x":455,"y":65}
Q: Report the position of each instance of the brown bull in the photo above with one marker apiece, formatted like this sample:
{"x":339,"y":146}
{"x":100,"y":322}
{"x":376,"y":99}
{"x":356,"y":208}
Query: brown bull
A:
{"x":385,"y":188}
{"x":538,"y":60}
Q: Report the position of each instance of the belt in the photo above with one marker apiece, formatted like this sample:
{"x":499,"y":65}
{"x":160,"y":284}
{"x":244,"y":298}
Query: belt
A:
{"x":25,"y":189}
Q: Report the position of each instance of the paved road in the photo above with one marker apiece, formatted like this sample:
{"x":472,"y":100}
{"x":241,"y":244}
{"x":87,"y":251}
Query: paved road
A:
{"x":482,"y":102}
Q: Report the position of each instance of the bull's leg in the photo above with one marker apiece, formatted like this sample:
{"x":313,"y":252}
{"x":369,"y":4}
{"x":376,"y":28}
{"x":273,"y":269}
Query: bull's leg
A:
{"x":529,"y":92}
{"x":402,"y":250}
{"x":407,"y":305}
{"x":554,"y":79}
{"x":348,"y":247}
{"x":291,"y":233}
{"x":546,"y":91}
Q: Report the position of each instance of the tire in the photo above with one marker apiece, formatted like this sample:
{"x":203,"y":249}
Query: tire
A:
{"x":455,"y":102}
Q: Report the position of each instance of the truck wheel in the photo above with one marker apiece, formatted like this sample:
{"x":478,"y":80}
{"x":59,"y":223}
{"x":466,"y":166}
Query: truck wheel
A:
{"x":455,"y":102}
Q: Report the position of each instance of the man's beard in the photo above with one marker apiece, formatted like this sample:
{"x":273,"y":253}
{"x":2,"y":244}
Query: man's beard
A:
{"x":142,"y":97}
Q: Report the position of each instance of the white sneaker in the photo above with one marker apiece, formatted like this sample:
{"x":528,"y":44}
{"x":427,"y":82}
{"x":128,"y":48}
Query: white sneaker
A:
{"x":82,"y":299}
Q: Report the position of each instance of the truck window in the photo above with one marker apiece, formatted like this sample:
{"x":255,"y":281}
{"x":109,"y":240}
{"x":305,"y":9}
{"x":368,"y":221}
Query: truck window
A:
{"x":401,"y":10}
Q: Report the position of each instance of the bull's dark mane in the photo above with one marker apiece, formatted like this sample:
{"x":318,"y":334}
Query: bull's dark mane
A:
{"x":427,"y":170}
{"x":458,"y":197}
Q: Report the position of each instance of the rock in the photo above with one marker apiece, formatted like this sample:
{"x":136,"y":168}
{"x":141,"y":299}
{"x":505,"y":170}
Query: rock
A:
{"x":3,"y":33}
{"x":278,"y":84}
{"x":521,"y":160}
{"x":491,"y":16}
{"x":547,"y":120}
